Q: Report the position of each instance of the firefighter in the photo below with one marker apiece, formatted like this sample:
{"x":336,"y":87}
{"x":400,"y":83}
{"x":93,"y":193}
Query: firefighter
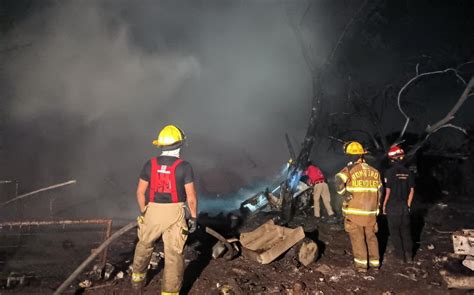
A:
{"x":399,"y":191}
{"x":360,"y":184}
{"x":170,"y":181}
{"x":315,"y":178}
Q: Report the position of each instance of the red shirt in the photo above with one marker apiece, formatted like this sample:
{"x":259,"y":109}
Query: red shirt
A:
{"x":314,"y":174}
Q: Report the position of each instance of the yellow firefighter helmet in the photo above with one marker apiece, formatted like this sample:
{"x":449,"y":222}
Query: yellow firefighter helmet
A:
{"x":354,"y":148}
{"x":169,"y":138}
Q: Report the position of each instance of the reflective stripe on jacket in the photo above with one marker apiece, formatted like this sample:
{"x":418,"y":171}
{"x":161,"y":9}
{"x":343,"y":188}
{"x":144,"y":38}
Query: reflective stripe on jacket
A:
{"x":361,"y":184}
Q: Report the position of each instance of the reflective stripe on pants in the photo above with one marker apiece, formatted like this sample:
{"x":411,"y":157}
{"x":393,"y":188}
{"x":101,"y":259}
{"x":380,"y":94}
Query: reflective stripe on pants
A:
{"x":360,"y":263}
{"x":138,"y":277}
{"x":374,"y":263}
{"x":363,"y":240}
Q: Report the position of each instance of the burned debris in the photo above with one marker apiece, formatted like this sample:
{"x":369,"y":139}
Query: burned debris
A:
{"x":463,"y":244}
{"x":269,"y":241}
{"x":257,"y":234}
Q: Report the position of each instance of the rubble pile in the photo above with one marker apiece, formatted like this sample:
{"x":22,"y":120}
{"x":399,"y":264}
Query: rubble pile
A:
{"x":256,"y":252}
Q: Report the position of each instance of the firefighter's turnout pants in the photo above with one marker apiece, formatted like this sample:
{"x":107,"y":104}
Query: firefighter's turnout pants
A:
{"x":321,"y":189}
{"x":167,"y":220}
{"x":363,"y":240}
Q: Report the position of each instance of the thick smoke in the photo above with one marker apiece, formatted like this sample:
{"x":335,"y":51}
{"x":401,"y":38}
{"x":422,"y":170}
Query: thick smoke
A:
{"x":98,"y":81}
{"x":88,"y":84}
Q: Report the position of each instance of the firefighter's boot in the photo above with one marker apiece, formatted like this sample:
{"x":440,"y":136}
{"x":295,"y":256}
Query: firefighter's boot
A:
{"x":138,"y":281}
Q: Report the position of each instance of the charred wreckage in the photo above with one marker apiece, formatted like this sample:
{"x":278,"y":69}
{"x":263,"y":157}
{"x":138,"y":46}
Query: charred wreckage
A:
{"x":264,"y":242}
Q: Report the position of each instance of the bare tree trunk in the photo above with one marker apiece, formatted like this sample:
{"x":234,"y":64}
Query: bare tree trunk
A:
{"x":316,"y":74}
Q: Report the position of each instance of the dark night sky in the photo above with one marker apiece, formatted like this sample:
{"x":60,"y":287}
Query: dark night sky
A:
{"x":85,"y":85}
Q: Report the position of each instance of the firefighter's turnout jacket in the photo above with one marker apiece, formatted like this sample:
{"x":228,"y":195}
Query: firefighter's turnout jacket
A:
{"x":360,"y":183}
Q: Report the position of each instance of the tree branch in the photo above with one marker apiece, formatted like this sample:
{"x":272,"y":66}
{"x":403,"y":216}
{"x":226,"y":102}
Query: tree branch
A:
{"x":463,"y":64}
{"x":450,"y":115}
{"x":308,"y":8}
{"x":336,"y":139}
{"x":343,"y":34}
{"x":412,"y":80}
{"x":452,"y":126}
{"x":299,"y":37}
{"x":443,"y":123}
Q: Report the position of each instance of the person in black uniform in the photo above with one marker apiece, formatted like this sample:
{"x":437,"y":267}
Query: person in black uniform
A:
{"x":400,"y":188}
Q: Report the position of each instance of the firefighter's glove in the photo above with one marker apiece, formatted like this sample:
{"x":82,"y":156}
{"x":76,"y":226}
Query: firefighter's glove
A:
{"x":140,"y":219}
{"x":192,"y":224}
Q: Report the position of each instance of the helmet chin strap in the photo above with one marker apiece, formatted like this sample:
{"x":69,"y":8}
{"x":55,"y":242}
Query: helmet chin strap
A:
{"x":172,"y":153}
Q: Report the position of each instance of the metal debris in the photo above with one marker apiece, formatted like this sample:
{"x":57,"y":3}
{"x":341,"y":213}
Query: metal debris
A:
{"x":15,"y":279}
{"x":267,"y":199}
{"x":254,"y":204}
{"x":155,"y":260}
{"x":120,"y":275}
{"x":85,"y":284}
{"x":232,"y":249}
{"x":37,"y":191}
{"x":463,"y":244}
{"x":441,"y":205}
{"x":405,"y":276}
{"x":218,"y":250}
{"x":108,"y":270}
{"x":469,"y":262}
{"x":96,"y":272}
{"x":457,"y":282}
{"x":430,"y":247}
{"x":440,"y":259}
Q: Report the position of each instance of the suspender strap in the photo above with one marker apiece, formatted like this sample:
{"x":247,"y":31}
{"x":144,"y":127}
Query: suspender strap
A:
{"x":153,"y":179}
{"x":174,"y":190}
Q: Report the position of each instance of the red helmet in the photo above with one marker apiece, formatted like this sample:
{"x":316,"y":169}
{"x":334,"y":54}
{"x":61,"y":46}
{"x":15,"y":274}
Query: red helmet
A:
{"x":395,"y":152}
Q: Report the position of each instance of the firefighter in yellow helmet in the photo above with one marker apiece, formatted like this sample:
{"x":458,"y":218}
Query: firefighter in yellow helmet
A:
{"x":360,"y":184}
{"x":170,"y":181}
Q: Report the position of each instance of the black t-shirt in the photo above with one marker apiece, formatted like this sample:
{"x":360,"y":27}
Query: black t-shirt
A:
{"x":184,"y":175}
{"x":399,"y":180}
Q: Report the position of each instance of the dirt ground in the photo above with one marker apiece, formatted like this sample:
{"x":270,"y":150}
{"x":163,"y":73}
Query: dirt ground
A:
{"x":332,"y":273}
